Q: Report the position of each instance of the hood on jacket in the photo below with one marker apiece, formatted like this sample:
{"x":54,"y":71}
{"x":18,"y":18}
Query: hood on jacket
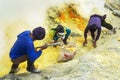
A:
{"x":23,"y":34}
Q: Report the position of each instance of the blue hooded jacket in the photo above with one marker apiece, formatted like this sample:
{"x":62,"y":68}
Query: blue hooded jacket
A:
{"x":24,"y":46}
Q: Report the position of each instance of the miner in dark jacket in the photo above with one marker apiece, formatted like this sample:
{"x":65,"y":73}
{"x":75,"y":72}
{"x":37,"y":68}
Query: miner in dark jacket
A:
{"x":23,"y":49}
{"x":94,"y":25}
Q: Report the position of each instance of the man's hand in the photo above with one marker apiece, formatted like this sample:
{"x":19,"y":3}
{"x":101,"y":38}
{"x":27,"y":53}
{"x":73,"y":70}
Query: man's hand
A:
{"x":94,"y":44}
{"x":44,"y":46}
{"x":85,"y":43}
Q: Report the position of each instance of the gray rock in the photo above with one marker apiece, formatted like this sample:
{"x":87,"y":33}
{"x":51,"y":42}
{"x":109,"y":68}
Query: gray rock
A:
{"x":108,"y":6}
{"x":116,"y":13}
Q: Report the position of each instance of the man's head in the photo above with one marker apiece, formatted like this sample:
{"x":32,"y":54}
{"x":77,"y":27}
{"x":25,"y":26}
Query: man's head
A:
{"x":60,"y":31}
{"x":38,"y":33}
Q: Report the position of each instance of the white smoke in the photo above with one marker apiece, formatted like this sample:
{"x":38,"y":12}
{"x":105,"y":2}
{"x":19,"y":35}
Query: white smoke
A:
{"x":2,"y":43}
{"x":31,"y":11}
{"x":35,"y":10}
{"x":89,"y":7}
{"x":34,"y":13}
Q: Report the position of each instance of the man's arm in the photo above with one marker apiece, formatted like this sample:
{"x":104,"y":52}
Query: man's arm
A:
{"x":97,"y":37}
{"x":85,"y":36}
{"x":98,"y":34}
{"x":31,"y":52}
{"x":106,"y":25}
{"x":85,"y":32}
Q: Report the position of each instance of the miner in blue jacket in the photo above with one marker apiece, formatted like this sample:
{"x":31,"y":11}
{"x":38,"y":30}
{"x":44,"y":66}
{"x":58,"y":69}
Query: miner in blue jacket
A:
{"x":94,"y":25}
{"x":23,"y":49}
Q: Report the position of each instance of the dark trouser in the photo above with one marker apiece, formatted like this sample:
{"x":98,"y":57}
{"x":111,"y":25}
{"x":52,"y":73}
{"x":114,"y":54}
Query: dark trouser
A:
{"x":93,"y":28}
{"x":17,"y":61}
{"x":92,"y":35}
{"x":107,"y":25}
{"x":30,"y":65}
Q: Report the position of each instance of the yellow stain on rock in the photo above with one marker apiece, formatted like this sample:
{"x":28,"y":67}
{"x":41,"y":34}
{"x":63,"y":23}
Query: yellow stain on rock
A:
{"x":69,"y":17}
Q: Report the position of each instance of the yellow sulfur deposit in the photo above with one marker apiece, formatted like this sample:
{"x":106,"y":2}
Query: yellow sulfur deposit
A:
{"x":71,"y":49}
{"x":68,"y":17}
{"x":118,"y":39}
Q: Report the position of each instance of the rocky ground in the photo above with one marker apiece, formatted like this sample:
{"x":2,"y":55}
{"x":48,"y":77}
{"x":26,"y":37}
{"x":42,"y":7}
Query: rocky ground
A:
{"x":101,"y":63}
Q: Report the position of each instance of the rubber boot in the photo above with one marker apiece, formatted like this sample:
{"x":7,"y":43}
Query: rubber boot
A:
{"x":31,"y":68}
{"x":14,"y":68}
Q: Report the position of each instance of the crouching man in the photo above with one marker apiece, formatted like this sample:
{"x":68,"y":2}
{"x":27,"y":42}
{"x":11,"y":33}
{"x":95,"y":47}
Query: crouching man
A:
{"x":23,"y":49}
{"x":62,"y":33}
{"x":94,"y":26}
